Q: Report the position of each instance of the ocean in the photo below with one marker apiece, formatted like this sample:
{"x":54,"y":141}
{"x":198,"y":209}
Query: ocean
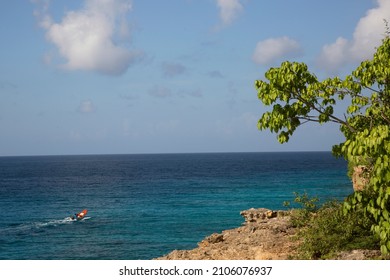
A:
{"x":144,"y":206}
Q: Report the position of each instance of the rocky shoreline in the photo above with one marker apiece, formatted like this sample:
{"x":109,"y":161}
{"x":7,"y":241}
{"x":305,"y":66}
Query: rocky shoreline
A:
{"x":265,"y":235}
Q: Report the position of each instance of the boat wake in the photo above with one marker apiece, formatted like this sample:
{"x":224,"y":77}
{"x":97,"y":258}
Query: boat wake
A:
{"x":69,"y":219}
{"x":26,"y":228}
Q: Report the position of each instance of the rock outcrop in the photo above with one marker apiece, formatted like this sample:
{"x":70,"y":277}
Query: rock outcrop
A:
{"x":265,"y":235}
{"x":359,"y":177}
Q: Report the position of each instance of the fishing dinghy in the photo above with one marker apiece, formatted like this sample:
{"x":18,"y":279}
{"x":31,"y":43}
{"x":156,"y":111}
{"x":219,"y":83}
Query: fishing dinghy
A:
{"x":80,"y":216}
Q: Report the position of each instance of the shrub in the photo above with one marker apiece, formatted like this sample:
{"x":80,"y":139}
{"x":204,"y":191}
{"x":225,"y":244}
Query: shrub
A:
{"x":324,"y":231}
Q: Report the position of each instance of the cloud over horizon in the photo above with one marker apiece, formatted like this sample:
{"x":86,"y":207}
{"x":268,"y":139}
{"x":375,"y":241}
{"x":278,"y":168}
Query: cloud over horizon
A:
{"x":367,"y":35}
{"x":273,"y":49}
{"x":92,"y":38}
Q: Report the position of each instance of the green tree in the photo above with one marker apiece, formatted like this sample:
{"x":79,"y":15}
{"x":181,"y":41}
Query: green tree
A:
{"x":298,"y":96}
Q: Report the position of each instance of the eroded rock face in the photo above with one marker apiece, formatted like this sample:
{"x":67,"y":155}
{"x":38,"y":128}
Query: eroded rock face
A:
{"x":359,"y":177}
{"x":265,"y":235}
{"x":257,"y":215}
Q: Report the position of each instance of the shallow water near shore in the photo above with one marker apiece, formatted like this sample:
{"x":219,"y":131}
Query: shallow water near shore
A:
{"x":144,"y":206}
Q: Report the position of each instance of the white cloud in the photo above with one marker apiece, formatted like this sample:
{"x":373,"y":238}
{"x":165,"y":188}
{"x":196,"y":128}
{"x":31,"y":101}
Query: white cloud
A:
{"x":273,"y":49}
{"x":42,"y":12}
{"x":334,"y":55}
{"x":368,"y":34}
{"x":90,"y":38}
{"x":86,"y":107}
{"x":229,"y":10}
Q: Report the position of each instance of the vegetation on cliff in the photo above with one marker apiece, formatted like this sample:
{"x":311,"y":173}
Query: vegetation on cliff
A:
{"x":325,"y":231}
{"x":298,"y":96}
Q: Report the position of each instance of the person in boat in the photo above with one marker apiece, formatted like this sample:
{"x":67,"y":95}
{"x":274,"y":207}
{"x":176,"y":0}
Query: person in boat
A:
{"x":79,"y":216}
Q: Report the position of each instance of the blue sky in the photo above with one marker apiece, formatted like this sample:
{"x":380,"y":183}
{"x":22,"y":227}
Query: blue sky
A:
{"x":143,"y":76}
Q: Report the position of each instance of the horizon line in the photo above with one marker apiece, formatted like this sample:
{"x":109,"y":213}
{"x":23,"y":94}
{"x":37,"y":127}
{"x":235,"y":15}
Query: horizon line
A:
{"x":164,"y":153}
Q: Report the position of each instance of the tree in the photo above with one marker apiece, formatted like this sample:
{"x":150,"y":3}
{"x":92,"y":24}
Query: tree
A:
{"x":298,"y":96}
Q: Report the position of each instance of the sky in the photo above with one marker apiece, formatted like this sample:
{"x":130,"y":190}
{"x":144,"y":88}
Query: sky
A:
{"x":175,"y":76}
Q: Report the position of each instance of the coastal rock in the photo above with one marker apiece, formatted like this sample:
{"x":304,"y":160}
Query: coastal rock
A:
{"x":265,"y":235}
{"x":359,"y":177}
{"x":212,"y":239}
{"x":256,"y":215}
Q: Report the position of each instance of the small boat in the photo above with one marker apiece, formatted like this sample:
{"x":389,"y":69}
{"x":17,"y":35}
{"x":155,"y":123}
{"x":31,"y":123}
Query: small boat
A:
{"x":80,"y":216}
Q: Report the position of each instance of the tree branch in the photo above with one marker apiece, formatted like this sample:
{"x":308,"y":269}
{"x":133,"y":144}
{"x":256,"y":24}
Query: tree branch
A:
{"x":332,"y":117}
{"x":385,"y":118}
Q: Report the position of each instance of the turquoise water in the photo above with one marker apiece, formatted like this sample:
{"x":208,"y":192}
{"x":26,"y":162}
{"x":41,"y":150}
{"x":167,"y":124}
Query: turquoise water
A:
{"x":144,"y":206}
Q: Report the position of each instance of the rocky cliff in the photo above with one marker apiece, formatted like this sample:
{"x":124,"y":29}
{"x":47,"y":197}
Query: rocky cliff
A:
{"x":265,"y":235}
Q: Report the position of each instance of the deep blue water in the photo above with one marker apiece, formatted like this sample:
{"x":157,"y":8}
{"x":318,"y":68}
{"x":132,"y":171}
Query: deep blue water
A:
{"x":144,"y":206}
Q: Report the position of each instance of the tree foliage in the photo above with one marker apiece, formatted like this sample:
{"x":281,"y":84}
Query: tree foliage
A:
{"x":298,"y":96}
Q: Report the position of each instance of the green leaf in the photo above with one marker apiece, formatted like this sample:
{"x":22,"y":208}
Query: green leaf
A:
{"x":385,"y":215}
{"x":359,"y":196}
{"x":384,"y":250}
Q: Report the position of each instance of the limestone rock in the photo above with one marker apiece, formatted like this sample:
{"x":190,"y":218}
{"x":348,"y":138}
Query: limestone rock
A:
{"x":256,"y":215}
{"x":212,"y":239}
{"x":265,"y":235}
{"x":359,"y":177}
